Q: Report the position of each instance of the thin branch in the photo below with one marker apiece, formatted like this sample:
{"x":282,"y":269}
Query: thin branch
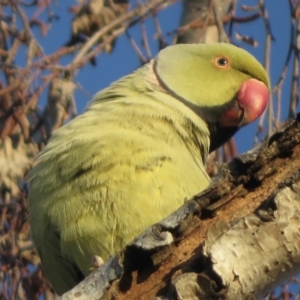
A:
{"x":44,"y":62}
{"x":246,"y":39}
{"x":32,"y":3}
{"x":250,"y":8}
{"x":295,"y":79}
{"x":73,"y":66}
{"x":159,"y":34}
{"x":246,"y":19}
{"x":221,"y":31}
{"x":26,"y":24}
{"x":23,"y":18}
{"x":267,"y":58}
{"x":140,"y":11}
{"x":145,"y":40}
{"x":10,"y":88}
{"x":278,"y":87}
{"x":136,"y":48}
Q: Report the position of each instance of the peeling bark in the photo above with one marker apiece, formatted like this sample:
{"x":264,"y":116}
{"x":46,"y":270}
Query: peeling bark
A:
{"x":236,"y":240}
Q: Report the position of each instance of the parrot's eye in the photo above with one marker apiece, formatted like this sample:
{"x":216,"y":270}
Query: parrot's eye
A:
{"x":221,"y":62}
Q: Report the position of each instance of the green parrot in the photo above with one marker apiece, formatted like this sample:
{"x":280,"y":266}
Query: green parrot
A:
{"x":137,"y":152}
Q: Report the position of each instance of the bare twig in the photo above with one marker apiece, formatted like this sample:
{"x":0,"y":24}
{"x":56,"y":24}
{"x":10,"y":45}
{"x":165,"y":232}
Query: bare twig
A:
{"x":10,"y":88}
{"x":136,"y":48}
{"x":246,"y":19}
{"x":24,"y":19}
{"x":159,"y":34}
{"x":73,"y":66}
{"x":145,"y":40}
{"x":250,"y":8}
{"x":267,"y":58}
{"x":295,"y":79}
{"x":221,"y":31}
{"x":140,"y":11}
{"x":246,"y":39}
{"x":278,"y":87}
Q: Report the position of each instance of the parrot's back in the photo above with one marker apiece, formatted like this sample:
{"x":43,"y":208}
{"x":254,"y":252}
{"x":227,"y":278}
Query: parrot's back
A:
{"x":129,"y":161}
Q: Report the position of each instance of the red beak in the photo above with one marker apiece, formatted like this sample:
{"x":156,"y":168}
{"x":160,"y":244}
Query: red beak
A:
{"x":252,"y":100}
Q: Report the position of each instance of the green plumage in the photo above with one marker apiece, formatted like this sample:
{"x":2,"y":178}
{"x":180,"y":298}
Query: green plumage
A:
{"x":131,"y":158}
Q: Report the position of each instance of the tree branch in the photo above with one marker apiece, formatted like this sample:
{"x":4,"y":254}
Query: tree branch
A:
{"x":140,"y":11}
{"x":237,"y":239}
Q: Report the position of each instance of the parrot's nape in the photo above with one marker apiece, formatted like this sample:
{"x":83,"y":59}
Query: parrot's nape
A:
{"x":137,"y":152}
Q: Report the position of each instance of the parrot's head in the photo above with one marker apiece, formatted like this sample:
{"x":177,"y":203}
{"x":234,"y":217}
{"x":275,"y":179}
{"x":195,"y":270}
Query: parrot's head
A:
{"x":225,"y":85}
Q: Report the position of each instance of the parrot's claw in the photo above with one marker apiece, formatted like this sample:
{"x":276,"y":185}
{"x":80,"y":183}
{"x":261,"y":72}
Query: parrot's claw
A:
{"x":97,"y":261}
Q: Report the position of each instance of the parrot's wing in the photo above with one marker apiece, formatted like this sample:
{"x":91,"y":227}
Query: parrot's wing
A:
{"x":59,"y":271}
{"x":96,"y":179}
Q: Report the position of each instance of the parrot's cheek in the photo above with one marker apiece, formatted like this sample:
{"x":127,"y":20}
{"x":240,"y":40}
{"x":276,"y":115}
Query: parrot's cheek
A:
{"x":252,"y":100}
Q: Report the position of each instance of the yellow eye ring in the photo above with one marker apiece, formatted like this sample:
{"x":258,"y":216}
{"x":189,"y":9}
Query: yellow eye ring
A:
{"x":222,"y":62}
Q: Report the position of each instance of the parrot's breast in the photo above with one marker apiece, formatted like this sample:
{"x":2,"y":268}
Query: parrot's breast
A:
{"x":100,"y":173}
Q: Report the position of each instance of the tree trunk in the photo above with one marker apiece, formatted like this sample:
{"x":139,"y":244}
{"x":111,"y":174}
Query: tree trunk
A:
{"x":202,"y":21}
